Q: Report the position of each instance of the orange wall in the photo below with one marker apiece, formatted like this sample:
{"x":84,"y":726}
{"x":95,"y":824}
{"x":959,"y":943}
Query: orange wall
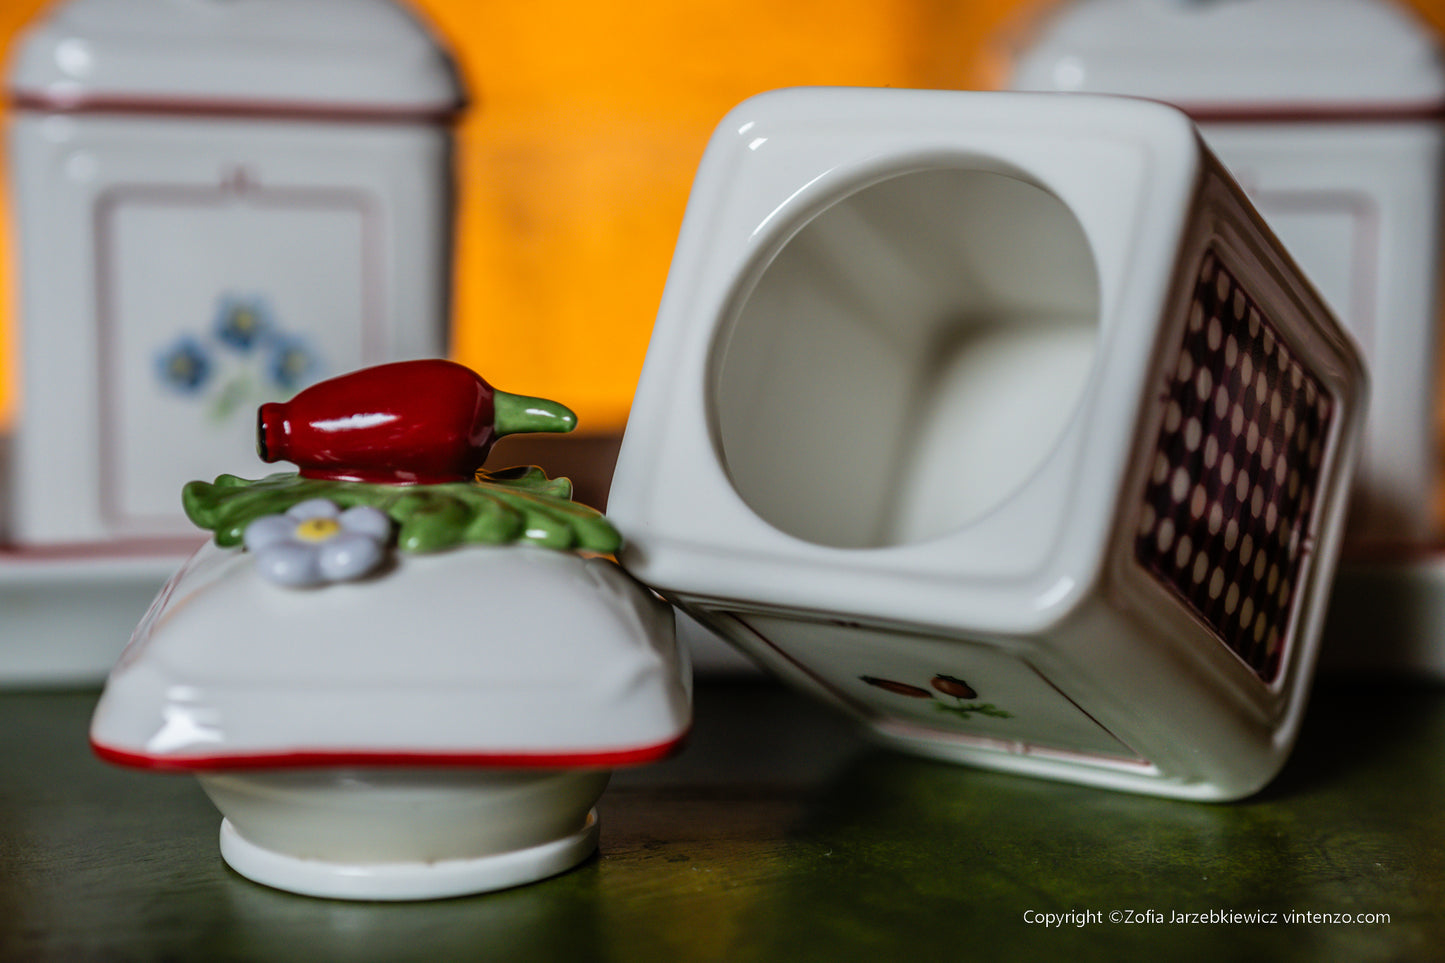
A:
{"x":576,"y":158}
{"x":578,"y":164}
{"x":13,"y":15}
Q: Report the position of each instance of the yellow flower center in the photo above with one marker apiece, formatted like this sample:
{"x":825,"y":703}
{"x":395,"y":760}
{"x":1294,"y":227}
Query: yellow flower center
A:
{"x":317,"y":529}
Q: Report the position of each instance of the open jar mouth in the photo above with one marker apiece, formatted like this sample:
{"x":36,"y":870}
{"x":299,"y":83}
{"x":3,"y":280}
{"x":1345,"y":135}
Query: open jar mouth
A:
{"x":908,"y":359}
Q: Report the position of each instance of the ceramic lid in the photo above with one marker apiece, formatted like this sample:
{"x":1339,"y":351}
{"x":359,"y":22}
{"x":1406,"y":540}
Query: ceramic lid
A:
{"x":498,"y":656}
{"x":1227,"y":55}
{"x":344,"y":55}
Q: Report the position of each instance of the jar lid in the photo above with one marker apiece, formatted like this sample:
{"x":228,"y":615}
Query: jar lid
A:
{"x":340,"y":56}
{"x":496,"y":657}
{"x":1221,"y":58}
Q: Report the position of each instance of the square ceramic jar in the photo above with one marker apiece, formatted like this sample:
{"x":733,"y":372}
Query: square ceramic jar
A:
{"x":1002,"y":422}
{"x":216,"y":205}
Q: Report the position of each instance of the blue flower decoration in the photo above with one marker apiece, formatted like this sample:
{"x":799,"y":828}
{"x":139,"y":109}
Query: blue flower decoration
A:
{"x":315,"y":542}
{"x":292,"y":361}
{"x":242,"y":323}
{"x":185,"y":365}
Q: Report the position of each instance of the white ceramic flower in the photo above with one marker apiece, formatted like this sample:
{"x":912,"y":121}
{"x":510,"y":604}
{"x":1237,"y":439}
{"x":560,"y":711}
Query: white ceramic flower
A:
{"x":315,"y":542}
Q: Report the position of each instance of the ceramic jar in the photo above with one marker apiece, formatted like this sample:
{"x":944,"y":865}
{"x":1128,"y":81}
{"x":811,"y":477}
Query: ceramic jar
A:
{"x":218,"y":202}
{"x":1002,"y":422}
{"x":1328,"y":113}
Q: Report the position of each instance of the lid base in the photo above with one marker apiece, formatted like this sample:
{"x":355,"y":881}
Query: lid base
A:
{"x":439,"y":879}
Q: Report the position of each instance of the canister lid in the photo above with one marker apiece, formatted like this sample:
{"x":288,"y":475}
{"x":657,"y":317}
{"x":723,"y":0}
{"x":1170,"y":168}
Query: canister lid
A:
{"x":367,"y":56}
{"x":1240,"y":56}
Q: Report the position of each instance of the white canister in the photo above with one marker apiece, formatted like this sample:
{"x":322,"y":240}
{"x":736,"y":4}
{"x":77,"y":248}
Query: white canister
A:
{"x":1003,"y":423}
{"x":1328,"y":113}
{"x":219,"y":201}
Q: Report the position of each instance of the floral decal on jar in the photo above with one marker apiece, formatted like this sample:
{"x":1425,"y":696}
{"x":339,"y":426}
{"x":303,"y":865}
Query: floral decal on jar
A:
{"x":185,"y":366}
{"x":316,"y":542}
{"x":292,"y":363}
{"x":244,"y":359}
{"x":949,"y":693}
{"x":242,"y":323}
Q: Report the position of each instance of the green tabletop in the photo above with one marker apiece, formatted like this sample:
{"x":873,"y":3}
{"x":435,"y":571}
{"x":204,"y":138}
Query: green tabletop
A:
{"x":781,"y":834}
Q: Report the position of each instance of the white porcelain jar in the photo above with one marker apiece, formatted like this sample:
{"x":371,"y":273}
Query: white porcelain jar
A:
{"x":1328,"y":112}
{"x":219,"y":201}
{"x":1003,"y":423}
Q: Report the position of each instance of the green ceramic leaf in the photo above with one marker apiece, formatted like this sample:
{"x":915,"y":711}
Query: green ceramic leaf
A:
{"x":981,"y":708}
{"x":518,"y":505}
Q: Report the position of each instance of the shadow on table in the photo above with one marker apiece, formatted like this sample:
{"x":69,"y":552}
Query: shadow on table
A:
{"x":1365,"y":729}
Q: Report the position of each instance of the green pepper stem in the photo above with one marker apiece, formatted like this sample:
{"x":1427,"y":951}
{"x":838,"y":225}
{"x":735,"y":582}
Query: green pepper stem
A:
{"x":516,"y":414}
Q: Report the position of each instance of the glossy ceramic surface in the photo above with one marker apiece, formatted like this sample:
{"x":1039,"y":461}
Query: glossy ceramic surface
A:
{"x":487,"y":656}
{"x":1074,"y":393}
{"x":441,"y":728}
{"x":410,"y":422}
{"x":384,"y":834}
